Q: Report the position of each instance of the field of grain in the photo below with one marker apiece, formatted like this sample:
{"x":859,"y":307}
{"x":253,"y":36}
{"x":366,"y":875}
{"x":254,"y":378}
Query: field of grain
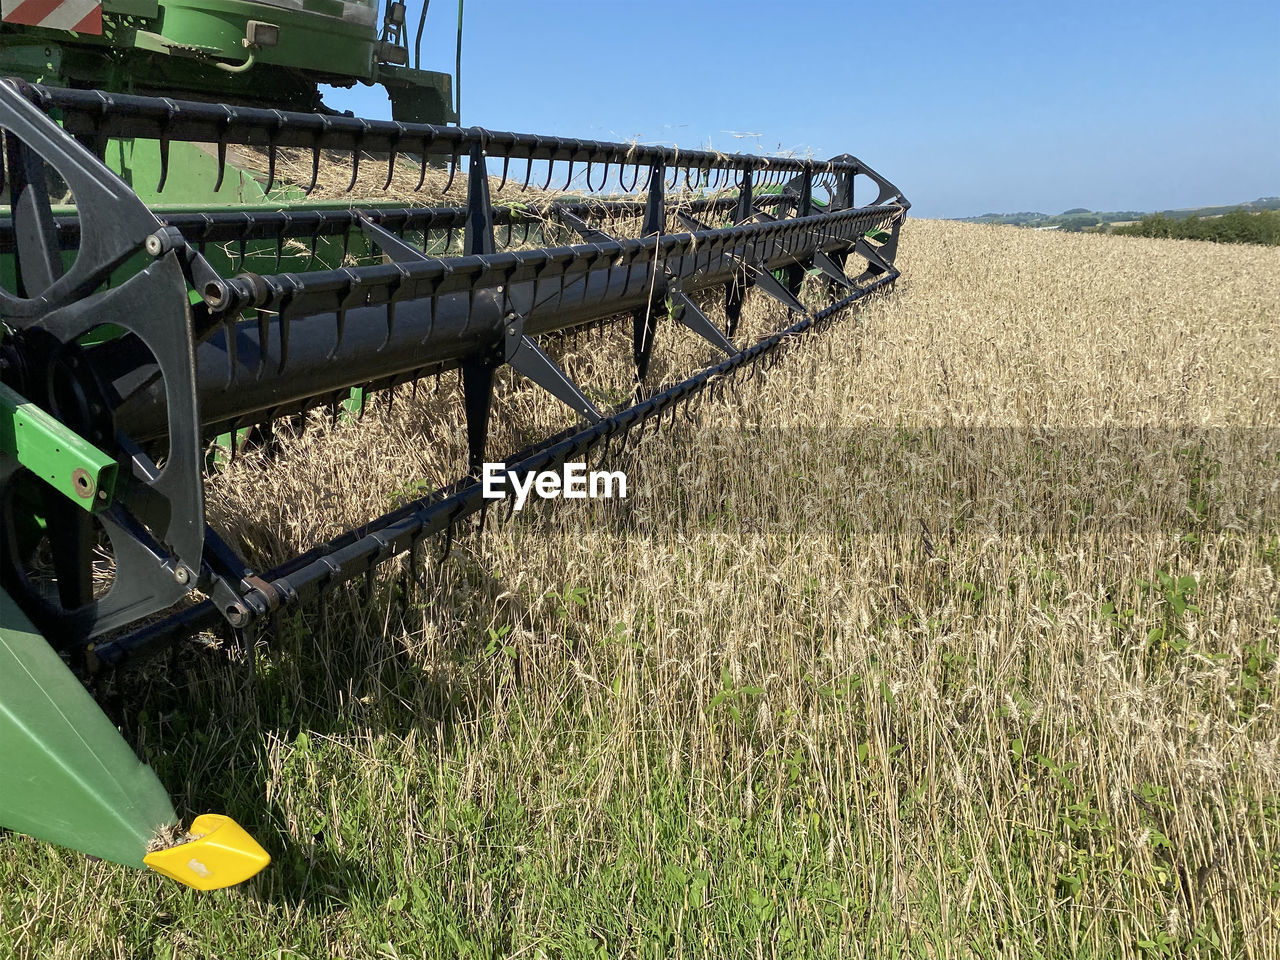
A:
{"x":953,"y":634}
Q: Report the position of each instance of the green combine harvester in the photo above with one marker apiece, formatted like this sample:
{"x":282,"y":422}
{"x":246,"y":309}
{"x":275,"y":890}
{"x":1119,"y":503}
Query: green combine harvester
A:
{"x":143,"y":142}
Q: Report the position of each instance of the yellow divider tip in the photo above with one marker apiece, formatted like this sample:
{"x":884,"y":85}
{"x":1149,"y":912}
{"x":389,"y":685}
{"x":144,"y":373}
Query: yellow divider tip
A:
{"x":220,"y":854}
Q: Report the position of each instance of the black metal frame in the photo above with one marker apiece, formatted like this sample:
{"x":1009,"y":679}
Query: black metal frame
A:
{"x":255,"y":347}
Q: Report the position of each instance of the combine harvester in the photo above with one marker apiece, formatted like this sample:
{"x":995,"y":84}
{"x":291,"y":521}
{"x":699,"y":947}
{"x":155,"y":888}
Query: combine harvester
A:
{"x":141,"y":143}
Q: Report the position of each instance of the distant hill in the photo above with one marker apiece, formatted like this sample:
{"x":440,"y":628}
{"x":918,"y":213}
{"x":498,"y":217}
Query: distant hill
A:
{"x":1078,"y":218}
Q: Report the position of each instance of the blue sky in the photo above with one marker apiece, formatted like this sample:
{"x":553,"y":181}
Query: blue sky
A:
{"x":969,"y":107}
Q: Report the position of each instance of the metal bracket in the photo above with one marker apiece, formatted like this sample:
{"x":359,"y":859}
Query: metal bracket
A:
{"x":396,"y":249}
{"x":477,"y":403}
{"x":55,"y":453}
{"x":689,"y":223}
{"x":743,"y":213}
{"x":686,"y":313}
{"x":768,"y":283}
{"x":876,"y":264}
{"x":524,"y":354}
{"x":479,"y":239}
{"x":831,"y":269}
{"x":584,"y":229}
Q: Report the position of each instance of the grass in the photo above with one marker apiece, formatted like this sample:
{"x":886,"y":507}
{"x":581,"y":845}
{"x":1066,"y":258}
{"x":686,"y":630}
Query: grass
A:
{"x":954,"y":634}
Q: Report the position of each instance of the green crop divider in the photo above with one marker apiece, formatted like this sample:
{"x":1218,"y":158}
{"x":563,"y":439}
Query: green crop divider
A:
{"x":55,"y":453}
{"x":69,"y":777}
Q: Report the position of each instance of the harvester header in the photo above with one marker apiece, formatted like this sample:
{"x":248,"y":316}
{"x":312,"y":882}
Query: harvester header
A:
{"x":136,"y":334}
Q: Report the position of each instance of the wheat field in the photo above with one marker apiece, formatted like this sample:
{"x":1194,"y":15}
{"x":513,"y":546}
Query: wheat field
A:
{"x":953,"y":634}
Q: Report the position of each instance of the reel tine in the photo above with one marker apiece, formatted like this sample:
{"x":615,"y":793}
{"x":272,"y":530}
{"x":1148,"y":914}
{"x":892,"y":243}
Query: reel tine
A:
{"x":271,"y":165}
{"x":341,"y":315}
{"x":234,"y":440}
{"x":222,"y":165}
{"x":448,"y":540}
{"x":391,"y":161}
{"x":391,"y":324}
{"x":454,"y":162}
{"x":355,"y":167}
{"x":264,"y":332}
{"x":422,"y":169}
{"x":229,"y":332}
{"x":315,"y":171}
{"x":164,"y":162}
{"x":284,"y":340}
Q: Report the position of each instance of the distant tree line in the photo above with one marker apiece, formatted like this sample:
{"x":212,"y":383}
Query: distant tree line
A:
{"x":1071,"y":222}
{"x":1235,"y":227}
{"x":1078,"y":219}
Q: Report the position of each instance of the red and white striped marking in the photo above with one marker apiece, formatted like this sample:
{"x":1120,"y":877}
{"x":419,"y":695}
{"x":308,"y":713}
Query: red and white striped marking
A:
{"x":82,"y":16}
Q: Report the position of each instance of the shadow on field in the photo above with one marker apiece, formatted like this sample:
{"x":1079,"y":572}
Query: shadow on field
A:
{"x":268,"y":734}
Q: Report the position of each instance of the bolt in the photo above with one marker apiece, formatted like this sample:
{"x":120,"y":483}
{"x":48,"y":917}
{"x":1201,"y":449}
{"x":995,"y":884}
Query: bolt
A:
{"x":511,"y":330}
{"x":154,"y":245}
{"x":82,"y":482}
{"x":182,"y":575}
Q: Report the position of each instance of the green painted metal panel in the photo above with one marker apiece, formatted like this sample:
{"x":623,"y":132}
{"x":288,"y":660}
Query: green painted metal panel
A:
{"x":68,"y":777}
{"x":316,"y":37}
{"x":192,"y":175}
{"x":134,"y":8}
{"x":54,"y":452}
{"x":353,"y":405}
